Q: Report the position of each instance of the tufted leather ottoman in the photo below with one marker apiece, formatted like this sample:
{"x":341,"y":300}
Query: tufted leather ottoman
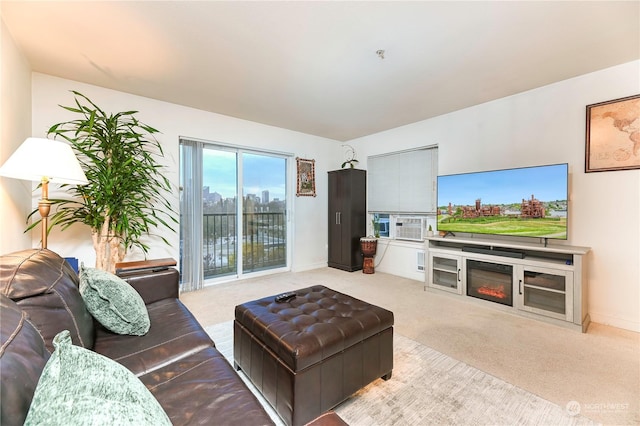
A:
{"x":312,"y":352}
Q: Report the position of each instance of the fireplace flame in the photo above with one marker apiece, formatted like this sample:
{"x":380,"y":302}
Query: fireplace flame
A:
{"x":497,"y":292}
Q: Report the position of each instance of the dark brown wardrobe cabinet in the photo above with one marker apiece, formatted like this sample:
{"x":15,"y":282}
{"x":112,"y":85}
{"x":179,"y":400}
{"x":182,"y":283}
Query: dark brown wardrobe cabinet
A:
{"x":347,"y":218}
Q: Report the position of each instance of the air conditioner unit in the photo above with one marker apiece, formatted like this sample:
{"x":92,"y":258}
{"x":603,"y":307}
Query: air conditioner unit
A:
{"x":410,"y":228}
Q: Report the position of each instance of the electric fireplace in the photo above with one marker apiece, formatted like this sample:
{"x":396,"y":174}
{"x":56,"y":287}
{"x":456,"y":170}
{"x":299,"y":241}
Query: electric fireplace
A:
{"x":490,"y":281}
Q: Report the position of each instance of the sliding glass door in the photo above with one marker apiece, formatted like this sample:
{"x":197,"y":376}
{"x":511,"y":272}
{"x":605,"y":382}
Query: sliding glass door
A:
{"x":219,"y":212}
{"x":264,"y":225}
{"x":233,"y":212}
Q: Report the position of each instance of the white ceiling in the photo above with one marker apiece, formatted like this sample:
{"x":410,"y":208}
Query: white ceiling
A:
{"x":312,"y":66}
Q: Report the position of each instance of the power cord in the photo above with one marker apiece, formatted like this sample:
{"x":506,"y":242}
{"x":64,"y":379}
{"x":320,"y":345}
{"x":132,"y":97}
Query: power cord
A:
{"x":382,"y":257}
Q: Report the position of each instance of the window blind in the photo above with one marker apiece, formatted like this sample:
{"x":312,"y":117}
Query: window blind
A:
{"x":191,"y":271}
{"x":403,"y":182}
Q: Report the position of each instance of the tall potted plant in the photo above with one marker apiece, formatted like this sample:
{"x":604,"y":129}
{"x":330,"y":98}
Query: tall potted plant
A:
{"x":126,"y":195}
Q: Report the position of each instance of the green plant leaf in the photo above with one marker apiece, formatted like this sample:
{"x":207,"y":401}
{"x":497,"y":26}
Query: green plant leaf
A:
{"x":127,"y":184}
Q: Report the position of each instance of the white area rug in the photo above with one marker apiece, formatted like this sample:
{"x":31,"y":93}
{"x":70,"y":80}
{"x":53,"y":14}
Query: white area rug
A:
{"x":430,"y":388}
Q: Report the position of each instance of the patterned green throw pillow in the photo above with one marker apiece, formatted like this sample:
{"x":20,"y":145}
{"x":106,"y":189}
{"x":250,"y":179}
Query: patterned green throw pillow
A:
{"x":113,"y":302}
{"x":81,"y":387}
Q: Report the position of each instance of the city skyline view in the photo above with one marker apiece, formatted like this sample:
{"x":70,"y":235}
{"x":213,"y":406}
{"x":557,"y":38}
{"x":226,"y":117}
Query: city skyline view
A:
{"x":260,"y":173}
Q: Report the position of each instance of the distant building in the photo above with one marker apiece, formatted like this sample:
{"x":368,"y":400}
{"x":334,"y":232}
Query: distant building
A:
{"x":215,"y":197}
{"x":479,"y":210}
{"x":532,"y":208}
{"x":207,"y":196}
{"x":265,"y":197}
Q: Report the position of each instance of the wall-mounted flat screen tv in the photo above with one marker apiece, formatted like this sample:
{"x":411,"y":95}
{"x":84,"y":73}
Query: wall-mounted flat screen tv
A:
{"x":522,"y":202}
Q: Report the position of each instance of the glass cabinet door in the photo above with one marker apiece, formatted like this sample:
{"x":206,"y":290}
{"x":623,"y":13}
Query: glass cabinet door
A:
{"x":546,"y":291}
{"x":445,"y":272}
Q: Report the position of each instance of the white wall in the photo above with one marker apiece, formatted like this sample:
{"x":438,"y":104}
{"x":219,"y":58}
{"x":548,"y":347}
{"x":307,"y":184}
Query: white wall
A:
{"x":173,"y":121}
{"x":544,"y":126}
{"x":15,"y":127}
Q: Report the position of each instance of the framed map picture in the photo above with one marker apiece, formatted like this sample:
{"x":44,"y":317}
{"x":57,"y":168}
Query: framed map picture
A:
{"x":306,"y":177}
{"x":613,"y":135}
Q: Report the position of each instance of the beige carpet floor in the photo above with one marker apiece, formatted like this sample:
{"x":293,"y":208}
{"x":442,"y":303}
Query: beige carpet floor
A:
{"x":429,"y":388}
{"x":596,"y":374}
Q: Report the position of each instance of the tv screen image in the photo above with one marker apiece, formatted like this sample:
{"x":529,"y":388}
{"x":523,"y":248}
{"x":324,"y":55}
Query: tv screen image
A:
{"x":522,"y":202}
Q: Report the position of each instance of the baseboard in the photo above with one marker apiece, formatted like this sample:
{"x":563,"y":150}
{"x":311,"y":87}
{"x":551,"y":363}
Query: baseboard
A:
{"x":615,"y":321}
{"x":308,"y":267}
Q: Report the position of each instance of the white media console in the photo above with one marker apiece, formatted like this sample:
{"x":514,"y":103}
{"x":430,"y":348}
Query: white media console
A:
{"x":547,"y":282}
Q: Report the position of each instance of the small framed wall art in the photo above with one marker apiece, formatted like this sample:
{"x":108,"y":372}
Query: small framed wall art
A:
{"x":306,"y":185}
{"x":613,"y":135}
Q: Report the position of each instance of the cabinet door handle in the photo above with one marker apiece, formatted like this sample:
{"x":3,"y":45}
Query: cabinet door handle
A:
{"x":459,"y":279}
{"x":337,"y":218}
{"x":520,"y":286}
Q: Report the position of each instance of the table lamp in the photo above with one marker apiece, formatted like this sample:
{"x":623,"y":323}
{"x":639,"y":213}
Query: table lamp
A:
{"x":44,"y":160}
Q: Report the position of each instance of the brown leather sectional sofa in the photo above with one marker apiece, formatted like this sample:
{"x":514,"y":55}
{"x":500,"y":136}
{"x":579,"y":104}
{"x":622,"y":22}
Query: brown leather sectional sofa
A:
{"x":176,"y":359}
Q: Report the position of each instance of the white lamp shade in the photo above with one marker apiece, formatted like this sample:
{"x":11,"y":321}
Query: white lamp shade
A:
{"x":39,"y":158}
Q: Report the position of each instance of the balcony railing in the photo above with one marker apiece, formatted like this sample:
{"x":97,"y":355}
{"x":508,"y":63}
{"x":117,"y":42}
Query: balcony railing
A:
{"x":263,"y":242}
